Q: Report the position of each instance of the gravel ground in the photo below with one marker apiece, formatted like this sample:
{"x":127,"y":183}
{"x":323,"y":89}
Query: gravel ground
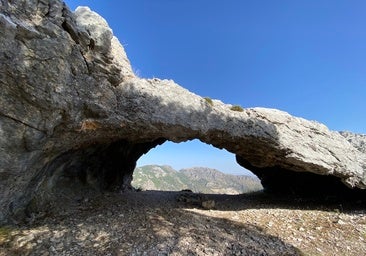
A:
{"x":158,"y":223}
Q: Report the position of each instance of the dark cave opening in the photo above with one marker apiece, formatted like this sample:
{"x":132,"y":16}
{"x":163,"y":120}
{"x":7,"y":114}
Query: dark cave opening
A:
{"x":281,"y":181}
{"x":103,"y":167}
{"x":108,"y":167}
{"x":80,"y":173}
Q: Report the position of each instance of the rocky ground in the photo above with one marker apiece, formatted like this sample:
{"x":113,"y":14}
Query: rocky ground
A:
{"x":156,"y":223}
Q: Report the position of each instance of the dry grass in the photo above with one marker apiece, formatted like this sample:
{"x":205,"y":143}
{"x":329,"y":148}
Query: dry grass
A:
{"x":208,"y":101}
{"x":237,"y":108}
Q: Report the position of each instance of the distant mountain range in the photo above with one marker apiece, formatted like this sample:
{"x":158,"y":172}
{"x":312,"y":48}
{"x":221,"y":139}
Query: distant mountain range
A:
{"x":197,"y":179}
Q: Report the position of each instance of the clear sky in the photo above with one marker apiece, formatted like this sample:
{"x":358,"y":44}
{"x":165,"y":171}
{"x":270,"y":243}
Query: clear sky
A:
{"x":306,"y":57}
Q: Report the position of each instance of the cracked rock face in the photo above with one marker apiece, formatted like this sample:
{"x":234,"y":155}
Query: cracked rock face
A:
{"x":74,"y":118}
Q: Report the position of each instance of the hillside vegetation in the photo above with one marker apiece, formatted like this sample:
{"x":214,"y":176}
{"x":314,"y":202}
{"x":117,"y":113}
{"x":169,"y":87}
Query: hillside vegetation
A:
{"x":197,"y":179}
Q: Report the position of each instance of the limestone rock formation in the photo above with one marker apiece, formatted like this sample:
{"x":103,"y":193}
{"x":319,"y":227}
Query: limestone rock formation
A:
{"x":73,"y":116}
{"x":357,"y":140}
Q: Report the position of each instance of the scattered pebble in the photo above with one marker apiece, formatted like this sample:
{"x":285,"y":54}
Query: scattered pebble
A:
{"x":156,"y":223}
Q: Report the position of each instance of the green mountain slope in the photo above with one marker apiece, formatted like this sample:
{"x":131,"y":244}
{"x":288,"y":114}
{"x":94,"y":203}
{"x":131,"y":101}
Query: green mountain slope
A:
{"x":197,"y":179}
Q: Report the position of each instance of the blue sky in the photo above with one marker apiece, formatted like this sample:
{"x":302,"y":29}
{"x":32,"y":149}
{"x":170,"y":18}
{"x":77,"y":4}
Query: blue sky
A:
{"x":307,"y":58}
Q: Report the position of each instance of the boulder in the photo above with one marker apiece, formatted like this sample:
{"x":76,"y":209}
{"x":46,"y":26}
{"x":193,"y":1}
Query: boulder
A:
{"x":74,"y":118}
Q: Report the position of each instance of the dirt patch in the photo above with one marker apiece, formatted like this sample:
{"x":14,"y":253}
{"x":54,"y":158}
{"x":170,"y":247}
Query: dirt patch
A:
{"x":156,"y":223}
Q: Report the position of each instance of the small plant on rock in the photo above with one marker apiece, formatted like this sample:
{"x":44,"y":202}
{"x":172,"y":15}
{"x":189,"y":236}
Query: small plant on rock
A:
{"x":5,"y":233}
{"x":208,"y":100}
{"x":237,"y":108}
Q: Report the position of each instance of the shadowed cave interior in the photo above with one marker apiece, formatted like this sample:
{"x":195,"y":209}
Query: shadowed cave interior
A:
{"x":110,"y":166}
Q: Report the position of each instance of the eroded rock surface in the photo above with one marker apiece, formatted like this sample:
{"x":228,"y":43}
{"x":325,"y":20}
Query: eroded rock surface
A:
{"x":73,"y":116}
{"x":357,"y":140}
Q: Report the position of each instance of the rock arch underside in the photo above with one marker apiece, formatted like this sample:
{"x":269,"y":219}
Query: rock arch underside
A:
{"x":74,"y":118}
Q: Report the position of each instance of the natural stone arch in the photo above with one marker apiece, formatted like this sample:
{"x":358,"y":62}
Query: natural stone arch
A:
{"x":95,"y":168}
{"x":68,"y":94}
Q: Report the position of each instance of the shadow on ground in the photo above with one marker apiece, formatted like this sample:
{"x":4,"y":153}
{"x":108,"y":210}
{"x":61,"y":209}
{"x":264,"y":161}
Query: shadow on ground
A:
{"x":155,"y":223}
{"x":261,"y":200}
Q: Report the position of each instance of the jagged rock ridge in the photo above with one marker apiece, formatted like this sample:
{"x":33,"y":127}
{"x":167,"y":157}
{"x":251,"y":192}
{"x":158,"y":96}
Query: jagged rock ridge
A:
{"x":197,"y":179}
{"x":73,"y":116}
